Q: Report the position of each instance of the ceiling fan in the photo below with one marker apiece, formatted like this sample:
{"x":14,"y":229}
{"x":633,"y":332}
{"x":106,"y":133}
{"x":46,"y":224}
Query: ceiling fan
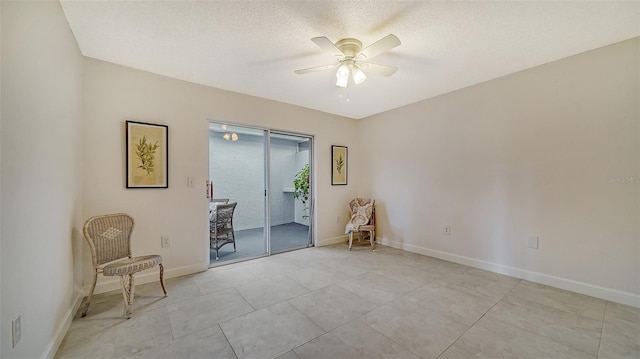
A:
{"x":353,"y":59}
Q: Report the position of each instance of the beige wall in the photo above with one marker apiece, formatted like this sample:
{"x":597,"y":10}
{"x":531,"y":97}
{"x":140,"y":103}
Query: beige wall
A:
{"x":41,"y":166}
{"x":113,"y":94}
{"x":545,"y":152}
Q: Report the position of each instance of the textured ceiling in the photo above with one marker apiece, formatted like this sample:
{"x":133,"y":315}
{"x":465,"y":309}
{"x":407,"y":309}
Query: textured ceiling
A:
{"x":253,"y":47}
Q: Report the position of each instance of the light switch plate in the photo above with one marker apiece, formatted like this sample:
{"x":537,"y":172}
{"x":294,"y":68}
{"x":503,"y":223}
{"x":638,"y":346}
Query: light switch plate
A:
{"x":165,"y":241}
{"x":532,"y":242}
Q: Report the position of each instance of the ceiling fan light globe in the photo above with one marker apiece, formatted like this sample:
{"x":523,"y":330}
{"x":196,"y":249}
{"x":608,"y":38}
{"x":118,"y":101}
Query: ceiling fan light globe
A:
{"x":234,"y":136}
{"x":342,"y":75}
{"x":226,"y":136}
{"x":343,"y":72}
{"x":358,"y":76}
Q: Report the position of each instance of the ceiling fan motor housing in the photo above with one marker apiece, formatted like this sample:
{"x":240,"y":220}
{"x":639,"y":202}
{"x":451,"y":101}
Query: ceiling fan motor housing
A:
{"x":350,"y":47}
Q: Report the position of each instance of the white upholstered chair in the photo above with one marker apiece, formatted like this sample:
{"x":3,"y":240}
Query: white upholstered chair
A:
{"x":362,"y":221}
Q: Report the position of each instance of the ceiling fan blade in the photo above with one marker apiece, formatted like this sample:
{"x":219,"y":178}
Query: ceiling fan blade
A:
{"x":385,"y":44}
{"x":376,"y":69}
{"x":312,"y":69}
{"x":324,"y":43}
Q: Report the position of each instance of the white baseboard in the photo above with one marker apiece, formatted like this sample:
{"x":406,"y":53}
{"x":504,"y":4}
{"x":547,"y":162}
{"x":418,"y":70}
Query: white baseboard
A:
{"x":334,"y":240}
{"x":63,"y":327}
{"x":550,"y":280}
{"x":113,"y":283}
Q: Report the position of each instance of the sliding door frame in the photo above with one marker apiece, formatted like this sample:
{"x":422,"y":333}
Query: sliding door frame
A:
{"x":267,"y":186}
{"x":311,"y":238}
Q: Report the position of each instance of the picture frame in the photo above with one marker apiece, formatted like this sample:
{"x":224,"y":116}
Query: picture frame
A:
{"x":339,"y":165}
{"x":147,"y":155}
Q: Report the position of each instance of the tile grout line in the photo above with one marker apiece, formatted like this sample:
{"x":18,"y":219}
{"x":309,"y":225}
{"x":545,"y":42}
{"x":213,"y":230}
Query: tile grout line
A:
{"x":569,"y":312}
{"x":604,"y":316}
{"x":424,"y":285}
{"x":380,"y":306}
{"x":245,"y":299}
{"x":384,"y":335}
{"x":482,"y":316}
{"x":227,"y":339}
{"x":357,"y":318}
{"x":312,"y":321}
{"x":565,"y":310}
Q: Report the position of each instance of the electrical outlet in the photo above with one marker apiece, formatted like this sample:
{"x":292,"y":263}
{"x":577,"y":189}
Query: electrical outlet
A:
{"x":165,"y":242}
{"x":16,"y":331}
{"x":447,"y":230}
{"x":532,"y":242}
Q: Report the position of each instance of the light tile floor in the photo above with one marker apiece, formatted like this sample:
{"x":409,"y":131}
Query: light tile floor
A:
{"x":331,"y":303}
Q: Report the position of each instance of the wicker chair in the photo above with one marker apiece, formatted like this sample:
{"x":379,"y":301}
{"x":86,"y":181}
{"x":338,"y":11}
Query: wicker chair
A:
{"x":221,"y":227}
{"x":363,"y":220}
{"x":109,"y":240}
{"x":215,"y":202}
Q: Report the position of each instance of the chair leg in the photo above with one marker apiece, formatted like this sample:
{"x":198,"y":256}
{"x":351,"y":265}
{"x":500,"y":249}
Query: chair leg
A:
{"x":127,"y":293}
{"x":234,"y":241}
{"x":350,"y":240}
{"x":371,"y":236}
{"x":88,"y":302}
{"x":162,"y":280}
{"x":214,"y":241}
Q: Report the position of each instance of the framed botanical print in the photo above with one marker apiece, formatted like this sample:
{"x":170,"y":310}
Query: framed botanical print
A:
{"x":339,"y":165}
{"x":147,"y":152}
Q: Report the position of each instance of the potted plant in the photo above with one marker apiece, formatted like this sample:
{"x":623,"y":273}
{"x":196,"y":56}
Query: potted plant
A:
{"x":301,"y":188}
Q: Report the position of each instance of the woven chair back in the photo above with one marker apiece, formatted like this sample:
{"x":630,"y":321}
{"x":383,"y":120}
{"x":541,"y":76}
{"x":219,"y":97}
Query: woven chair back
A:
{"x":224,"y":216}
{"x":109,"y":237}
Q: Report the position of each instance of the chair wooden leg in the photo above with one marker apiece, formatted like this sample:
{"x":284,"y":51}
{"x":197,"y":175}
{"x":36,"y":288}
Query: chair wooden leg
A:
{"x":162,"y":279}
{"x":88,"y":302}
{"x":215,"y":246}
{"x":371,"y":236}
{"x":234,"y":241}
{"x":350,"y":240}
{"x":127,"y":293}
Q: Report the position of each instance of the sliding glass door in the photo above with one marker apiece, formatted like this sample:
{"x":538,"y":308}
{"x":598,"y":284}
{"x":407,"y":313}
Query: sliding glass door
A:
{"x":237,"y":173}
{"x":268,"y":175}
{"x":290,"y":196}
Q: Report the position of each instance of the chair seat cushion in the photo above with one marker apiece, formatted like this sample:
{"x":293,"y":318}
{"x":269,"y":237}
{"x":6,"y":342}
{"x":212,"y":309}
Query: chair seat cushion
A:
{"x":131,"y":265}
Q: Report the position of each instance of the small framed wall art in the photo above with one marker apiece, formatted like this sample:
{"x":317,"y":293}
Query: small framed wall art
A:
{"x":147,"y":152}
{"x":339,"y":165}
